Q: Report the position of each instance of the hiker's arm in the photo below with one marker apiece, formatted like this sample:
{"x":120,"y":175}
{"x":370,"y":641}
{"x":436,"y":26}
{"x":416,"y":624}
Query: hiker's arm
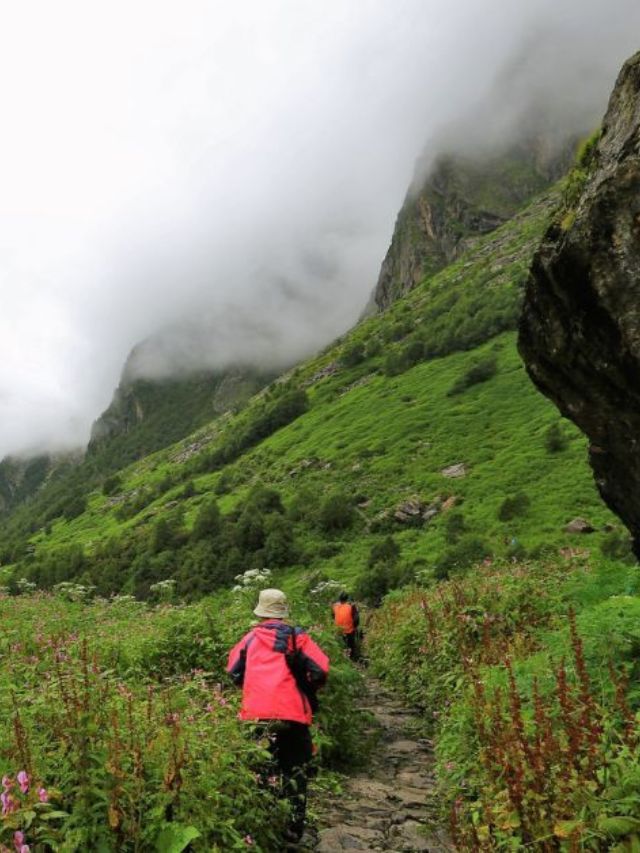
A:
{"x":315,"y":661}
{"x":237,"y":662}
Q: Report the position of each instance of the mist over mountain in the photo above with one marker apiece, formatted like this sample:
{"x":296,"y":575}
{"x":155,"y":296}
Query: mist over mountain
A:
{"x":228,"y":189}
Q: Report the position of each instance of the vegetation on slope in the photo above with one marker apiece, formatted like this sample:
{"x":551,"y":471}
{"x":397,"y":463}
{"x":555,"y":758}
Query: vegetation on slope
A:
{"x":348,"y":450}
{"x":121,"y":732}
{"x":414,"y":455}
{"x":535,"y":717}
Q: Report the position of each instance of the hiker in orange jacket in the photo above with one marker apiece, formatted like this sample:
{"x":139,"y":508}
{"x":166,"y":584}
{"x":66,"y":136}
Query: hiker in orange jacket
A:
{"x":347,"y":620}
{"x":279,"y":668}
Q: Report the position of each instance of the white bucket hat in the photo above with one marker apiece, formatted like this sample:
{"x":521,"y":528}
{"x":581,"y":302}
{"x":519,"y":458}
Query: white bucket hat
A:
{"x":272,"y":603}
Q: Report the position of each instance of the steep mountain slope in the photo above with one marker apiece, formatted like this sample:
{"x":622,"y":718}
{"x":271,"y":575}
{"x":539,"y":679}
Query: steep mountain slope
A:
{"x":460,"y":199}
{"x":20,"y":478}
{"x":349,"y":449}
{"x":147,"y":414}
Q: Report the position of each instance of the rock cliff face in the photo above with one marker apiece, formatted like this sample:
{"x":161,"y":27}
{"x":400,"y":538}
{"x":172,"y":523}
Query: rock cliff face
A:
{"x":21,"y":478}
{"x":580,"y":330}
{"x":148,"y":414}
{"x":460,"y":200}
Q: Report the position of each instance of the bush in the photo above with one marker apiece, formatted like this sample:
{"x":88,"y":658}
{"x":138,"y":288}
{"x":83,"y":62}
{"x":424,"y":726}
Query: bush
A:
{"x":304,"y":506}
{"x":386,"y":551}
{"x":405,"y":358}
{"x":336,"y":513}
{"x":75,"y":507}
{"x":514,"y":506}
{"x":279,"y":547}
{"x":208,"y":522}
{"x":373,"y":348}
{"x":617,"y":545}
{"x":454,"y":527}
{"x":555,"y":441}
{"x":480,"y":372}
{"x":352,"y":355}
{"x":112,"y":485}
{"x":465,"y":553}
{"x":381,"y":578}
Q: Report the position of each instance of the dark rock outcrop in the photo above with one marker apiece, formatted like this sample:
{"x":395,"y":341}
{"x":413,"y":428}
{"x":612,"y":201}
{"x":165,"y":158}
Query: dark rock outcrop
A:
{"x":461,"y":199}
{"x":580,"y":330}
{"x":148,"y":414}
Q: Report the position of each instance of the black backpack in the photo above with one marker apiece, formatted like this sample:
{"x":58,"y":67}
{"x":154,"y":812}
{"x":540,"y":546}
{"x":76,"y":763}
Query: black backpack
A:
{"x":298,"y":668}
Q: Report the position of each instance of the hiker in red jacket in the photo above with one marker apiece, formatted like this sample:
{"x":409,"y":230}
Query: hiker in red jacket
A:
{"x":279,"y":668}
{"x":347,"y":619}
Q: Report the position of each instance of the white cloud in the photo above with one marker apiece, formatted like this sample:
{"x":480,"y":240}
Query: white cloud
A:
{"x":164,"y":159}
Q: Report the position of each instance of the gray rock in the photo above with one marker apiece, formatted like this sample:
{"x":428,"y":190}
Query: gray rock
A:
{"x":580,"y":329}
{"x":455,"y":471}
{"x":579,"y":525}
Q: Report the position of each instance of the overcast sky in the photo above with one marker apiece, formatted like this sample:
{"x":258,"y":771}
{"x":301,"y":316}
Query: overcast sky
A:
{"x":243,"y":162}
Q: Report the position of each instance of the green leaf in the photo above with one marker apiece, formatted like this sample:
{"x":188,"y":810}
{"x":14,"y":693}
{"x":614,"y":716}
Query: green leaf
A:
{"x":175,"y":837}
{"x":619,"y":825}
{"x":566,"y":828}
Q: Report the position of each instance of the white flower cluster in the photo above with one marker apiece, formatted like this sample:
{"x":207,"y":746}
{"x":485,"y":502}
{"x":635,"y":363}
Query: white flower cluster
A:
{"x":251,"y":579}
{"x":25,"y":586}
{"x":326,"y":586}
{"x":124,"y":600}
{"x":74,"y":591}
{"x":163,"y":590}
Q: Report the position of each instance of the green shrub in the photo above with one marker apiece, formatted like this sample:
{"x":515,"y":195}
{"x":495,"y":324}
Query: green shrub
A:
{"x":454,"y":527}
{"x":208,"y":522}
{"x":387,"y":551}
{"x":75,"y":507}
{"x":353,"y":354}
{"x":514,"y":506}
{"x":373,"y":348}
{"x":336,"y":513}
{"x":379,"y":579}
{"x":617,"y":545}
{"x":555,"y":441}
{"x":112,"y":485}
{"x":480,"y":372}
{"x":465,"y":553}
{"x":304,"y":505}
{"x":279,"y":545}
{"x":400,"y":360}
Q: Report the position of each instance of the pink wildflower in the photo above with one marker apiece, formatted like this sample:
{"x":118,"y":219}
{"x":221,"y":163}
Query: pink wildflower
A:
{"x":23,"y":781}
{"x":43,"y":796}
{"x":248,"y":840}
{"x":18,"y":842}
{"x":7,"y":783}
{"x":9,"y":805}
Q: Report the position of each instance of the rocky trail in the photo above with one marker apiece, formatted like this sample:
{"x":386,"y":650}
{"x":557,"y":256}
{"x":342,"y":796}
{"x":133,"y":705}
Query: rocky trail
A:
{"x":388,"y":804}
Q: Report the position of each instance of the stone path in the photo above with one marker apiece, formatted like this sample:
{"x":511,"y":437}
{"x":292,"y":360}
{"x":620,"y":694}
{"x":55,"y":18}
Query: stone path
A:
{"x":389,"y":804}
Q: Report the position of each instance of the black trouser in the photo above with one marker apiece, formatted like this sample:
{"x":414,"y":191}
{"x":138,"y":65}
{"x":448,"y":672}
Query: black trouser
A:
{"x":350,"y":641}
{"x":291,"y":748}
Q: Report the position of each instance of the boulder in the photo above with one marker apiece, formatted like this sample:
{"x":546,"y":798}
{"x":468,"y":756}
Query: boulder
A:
{"x":580,"y":329}
{"x":455,"y":471}
{"x":579,"y":525}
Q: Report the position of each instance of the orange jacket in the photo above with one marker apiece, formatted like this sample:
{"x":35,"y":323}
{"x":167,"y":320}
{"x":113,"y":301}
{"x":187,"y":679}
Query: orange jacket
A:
{"x":344,"y":618}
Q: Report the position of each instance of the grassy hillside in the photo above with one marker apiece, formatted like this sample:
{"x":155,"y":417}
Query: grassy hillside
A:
{"x":312,"y":473}
{"x":411,"y":459}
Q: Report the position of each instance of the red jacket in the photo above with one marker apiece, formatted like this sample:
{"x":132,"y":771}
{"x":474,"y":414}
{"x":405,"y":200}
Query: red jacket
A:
{"x":269,"y":690}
